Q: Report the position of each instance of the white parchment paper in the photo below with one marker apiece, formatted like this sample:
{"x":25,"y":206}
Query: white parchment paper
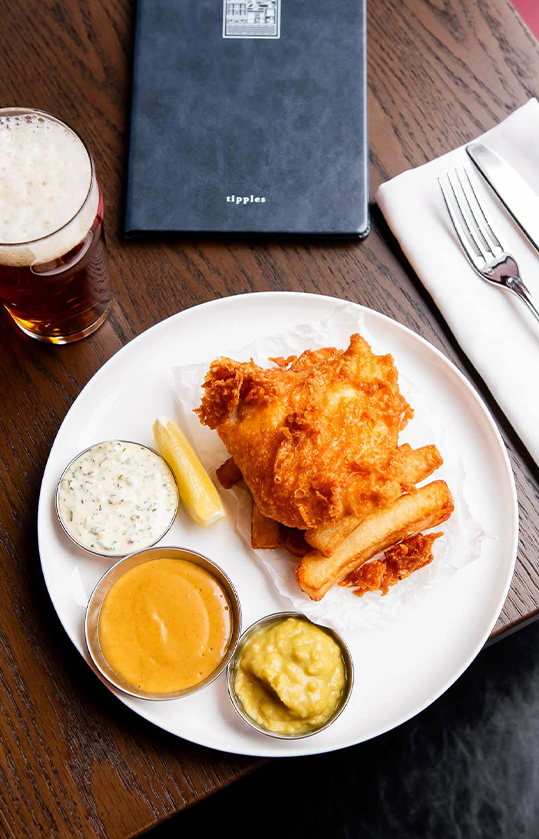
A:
{"x":463,"y":534}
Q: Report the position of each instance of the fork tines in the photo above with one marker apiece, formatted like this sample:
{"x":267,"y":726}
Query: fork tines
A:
{"x":472,"y":226}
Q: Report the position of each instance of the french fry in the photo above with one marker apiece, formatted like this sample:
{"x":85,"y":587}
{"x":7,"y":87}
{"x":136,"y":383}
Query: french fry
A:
{"x":420,"y":510}
{"x":228,"y":474}
{"x":265,"y":533}
{"x":417,"y":465}
{"x":294,"y":541}
{"x":326,"y":538}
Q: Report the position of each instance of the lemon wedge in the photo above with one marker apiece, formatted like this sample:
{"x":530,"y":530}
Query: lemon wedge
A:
{"x":195,"y":486}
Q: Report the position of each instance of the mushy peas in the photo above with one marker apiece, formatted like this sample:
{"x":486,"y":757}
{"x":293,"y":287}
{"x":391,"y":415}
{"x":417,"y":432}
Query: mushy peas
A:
{"x":290,"y":677}
{"x":165,"y":625}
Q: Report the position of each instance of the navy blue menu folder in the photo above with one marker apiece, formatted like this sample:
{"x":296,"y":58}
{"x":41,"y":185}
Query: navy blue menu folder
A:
{"x":249,"y":118}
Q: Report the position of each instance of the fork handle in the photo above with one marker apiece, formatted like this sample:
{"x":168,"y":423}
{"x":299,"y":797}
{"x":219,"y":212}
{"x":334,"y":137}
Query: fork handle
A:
{"x":523,"y":293}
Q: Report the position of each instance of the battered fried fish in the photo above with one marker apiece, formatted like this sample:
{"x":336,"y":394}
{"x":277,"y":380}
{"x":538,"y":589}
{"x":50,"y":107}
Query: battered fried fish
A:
{"x":399,"y":562}
{"x":315,"y":436}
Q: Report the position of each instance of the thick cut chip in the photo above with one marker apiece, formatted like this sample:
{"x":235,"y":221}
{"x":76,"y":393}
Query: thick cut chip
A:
{"x":265,"y":532}
{"x":420,"y":510}
{"x":228,"y":474}
{"x":294,"y":541}
{"x":417,"y":464}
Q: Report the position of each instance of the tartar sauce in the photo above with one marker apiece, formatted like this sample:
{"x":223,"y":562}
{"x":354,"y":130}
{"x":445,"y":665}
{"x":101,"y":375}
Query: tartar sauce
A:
{"x":117,"y":497}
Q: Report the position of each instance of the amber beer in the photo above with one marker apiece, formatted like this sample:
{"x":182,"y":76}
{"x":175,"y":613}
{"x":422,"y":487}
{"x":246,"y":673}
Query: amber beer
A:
{"x":54,"y":278}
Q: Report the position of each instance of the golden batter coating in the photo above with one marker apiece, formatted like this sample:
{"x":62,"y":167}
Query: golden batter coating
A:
{"x":315,"y":436}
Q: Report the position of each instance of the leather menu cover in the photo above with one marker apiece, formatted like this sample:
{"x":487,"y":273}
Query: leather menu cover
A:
{"x":249,"y":117}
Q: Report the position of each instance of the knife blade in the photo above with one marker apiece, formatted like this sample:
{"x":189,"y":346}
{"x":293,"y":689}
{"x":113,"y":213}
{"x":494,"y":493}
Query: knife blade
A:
{"x":510,"y":187}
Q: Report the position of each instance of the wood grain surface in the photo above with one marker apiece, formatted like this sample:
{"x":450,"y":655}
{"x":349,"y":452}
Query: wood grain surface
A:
{"x":74,"y":762}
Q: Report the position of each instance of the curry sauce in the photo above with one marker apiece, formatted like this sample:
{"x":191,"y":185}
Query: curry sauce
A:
{"x":290,"y":677}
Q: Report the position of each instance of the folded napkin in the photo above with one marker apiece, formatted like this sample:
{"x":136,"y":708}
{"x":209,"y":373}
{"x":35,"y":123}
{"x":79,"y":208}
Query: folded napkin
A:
{"x":495,"y":330}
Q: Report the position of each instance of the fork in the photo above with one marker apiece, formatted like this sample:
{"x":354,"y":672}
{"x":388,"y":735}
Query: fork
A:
{"x":481,"y":244}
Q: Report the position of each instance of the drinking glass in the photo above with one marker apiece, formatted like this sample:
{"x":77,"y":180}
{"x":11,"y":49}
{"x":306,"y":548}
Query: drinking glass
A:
{"x":54,"y":279}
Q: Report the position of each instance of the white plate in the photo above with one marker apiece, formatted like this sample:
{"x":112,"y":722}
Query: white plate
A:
{"x":401,"y":668}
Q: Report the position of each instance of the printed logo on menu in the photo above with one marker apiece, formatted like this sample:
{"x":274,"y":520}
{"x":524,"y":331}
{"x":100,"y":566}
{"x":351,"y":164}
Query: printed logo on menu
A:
{"x":256,"y":19}
{"x":245,"y":199}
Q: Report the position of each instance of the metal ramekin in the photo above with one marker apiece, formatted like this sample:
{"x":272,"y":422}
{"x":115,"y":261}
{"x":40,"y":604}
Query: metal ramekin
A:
{"x":110,"y":553}
{"x":271,"y":620}
{"x":93,"y":610}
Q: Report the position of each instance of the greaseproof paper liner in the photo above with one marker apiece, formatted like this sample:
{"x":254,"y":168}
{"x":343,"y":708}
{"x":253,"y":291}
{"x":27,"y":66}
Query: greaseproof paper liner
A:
{"x":340,"y":608}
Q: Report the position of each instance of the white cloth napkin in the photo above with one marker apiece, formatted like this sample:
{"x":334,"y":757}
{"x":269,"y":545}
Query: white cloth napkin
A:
{"x":496,"y":331}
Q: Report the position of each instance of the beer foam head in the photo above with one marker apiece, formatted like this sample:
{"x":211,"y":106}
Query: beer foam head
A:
{"x":45,"y":179}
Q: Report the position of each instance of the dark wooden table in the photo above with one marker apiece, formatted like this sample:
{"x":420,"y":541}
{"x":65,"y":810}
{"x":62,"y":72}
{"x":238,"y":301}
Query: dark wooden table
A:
{"x":73,"y":762}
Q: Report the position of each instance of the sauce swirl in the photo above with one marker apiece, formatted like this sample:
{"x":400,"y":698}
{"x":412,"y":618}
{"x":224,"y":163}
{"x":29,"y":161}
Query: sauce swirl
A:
{"x":165,"y":625}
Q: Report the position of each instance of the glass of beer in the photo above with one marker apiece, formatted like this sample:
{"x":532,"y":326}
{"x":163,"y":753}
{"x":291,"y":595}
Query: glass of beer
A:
{"x":54,"y":278}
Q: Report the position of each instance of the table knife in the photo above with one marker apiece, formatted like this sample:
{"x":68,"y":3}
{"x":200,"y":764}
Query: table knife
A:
{"x":510,"y":187}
